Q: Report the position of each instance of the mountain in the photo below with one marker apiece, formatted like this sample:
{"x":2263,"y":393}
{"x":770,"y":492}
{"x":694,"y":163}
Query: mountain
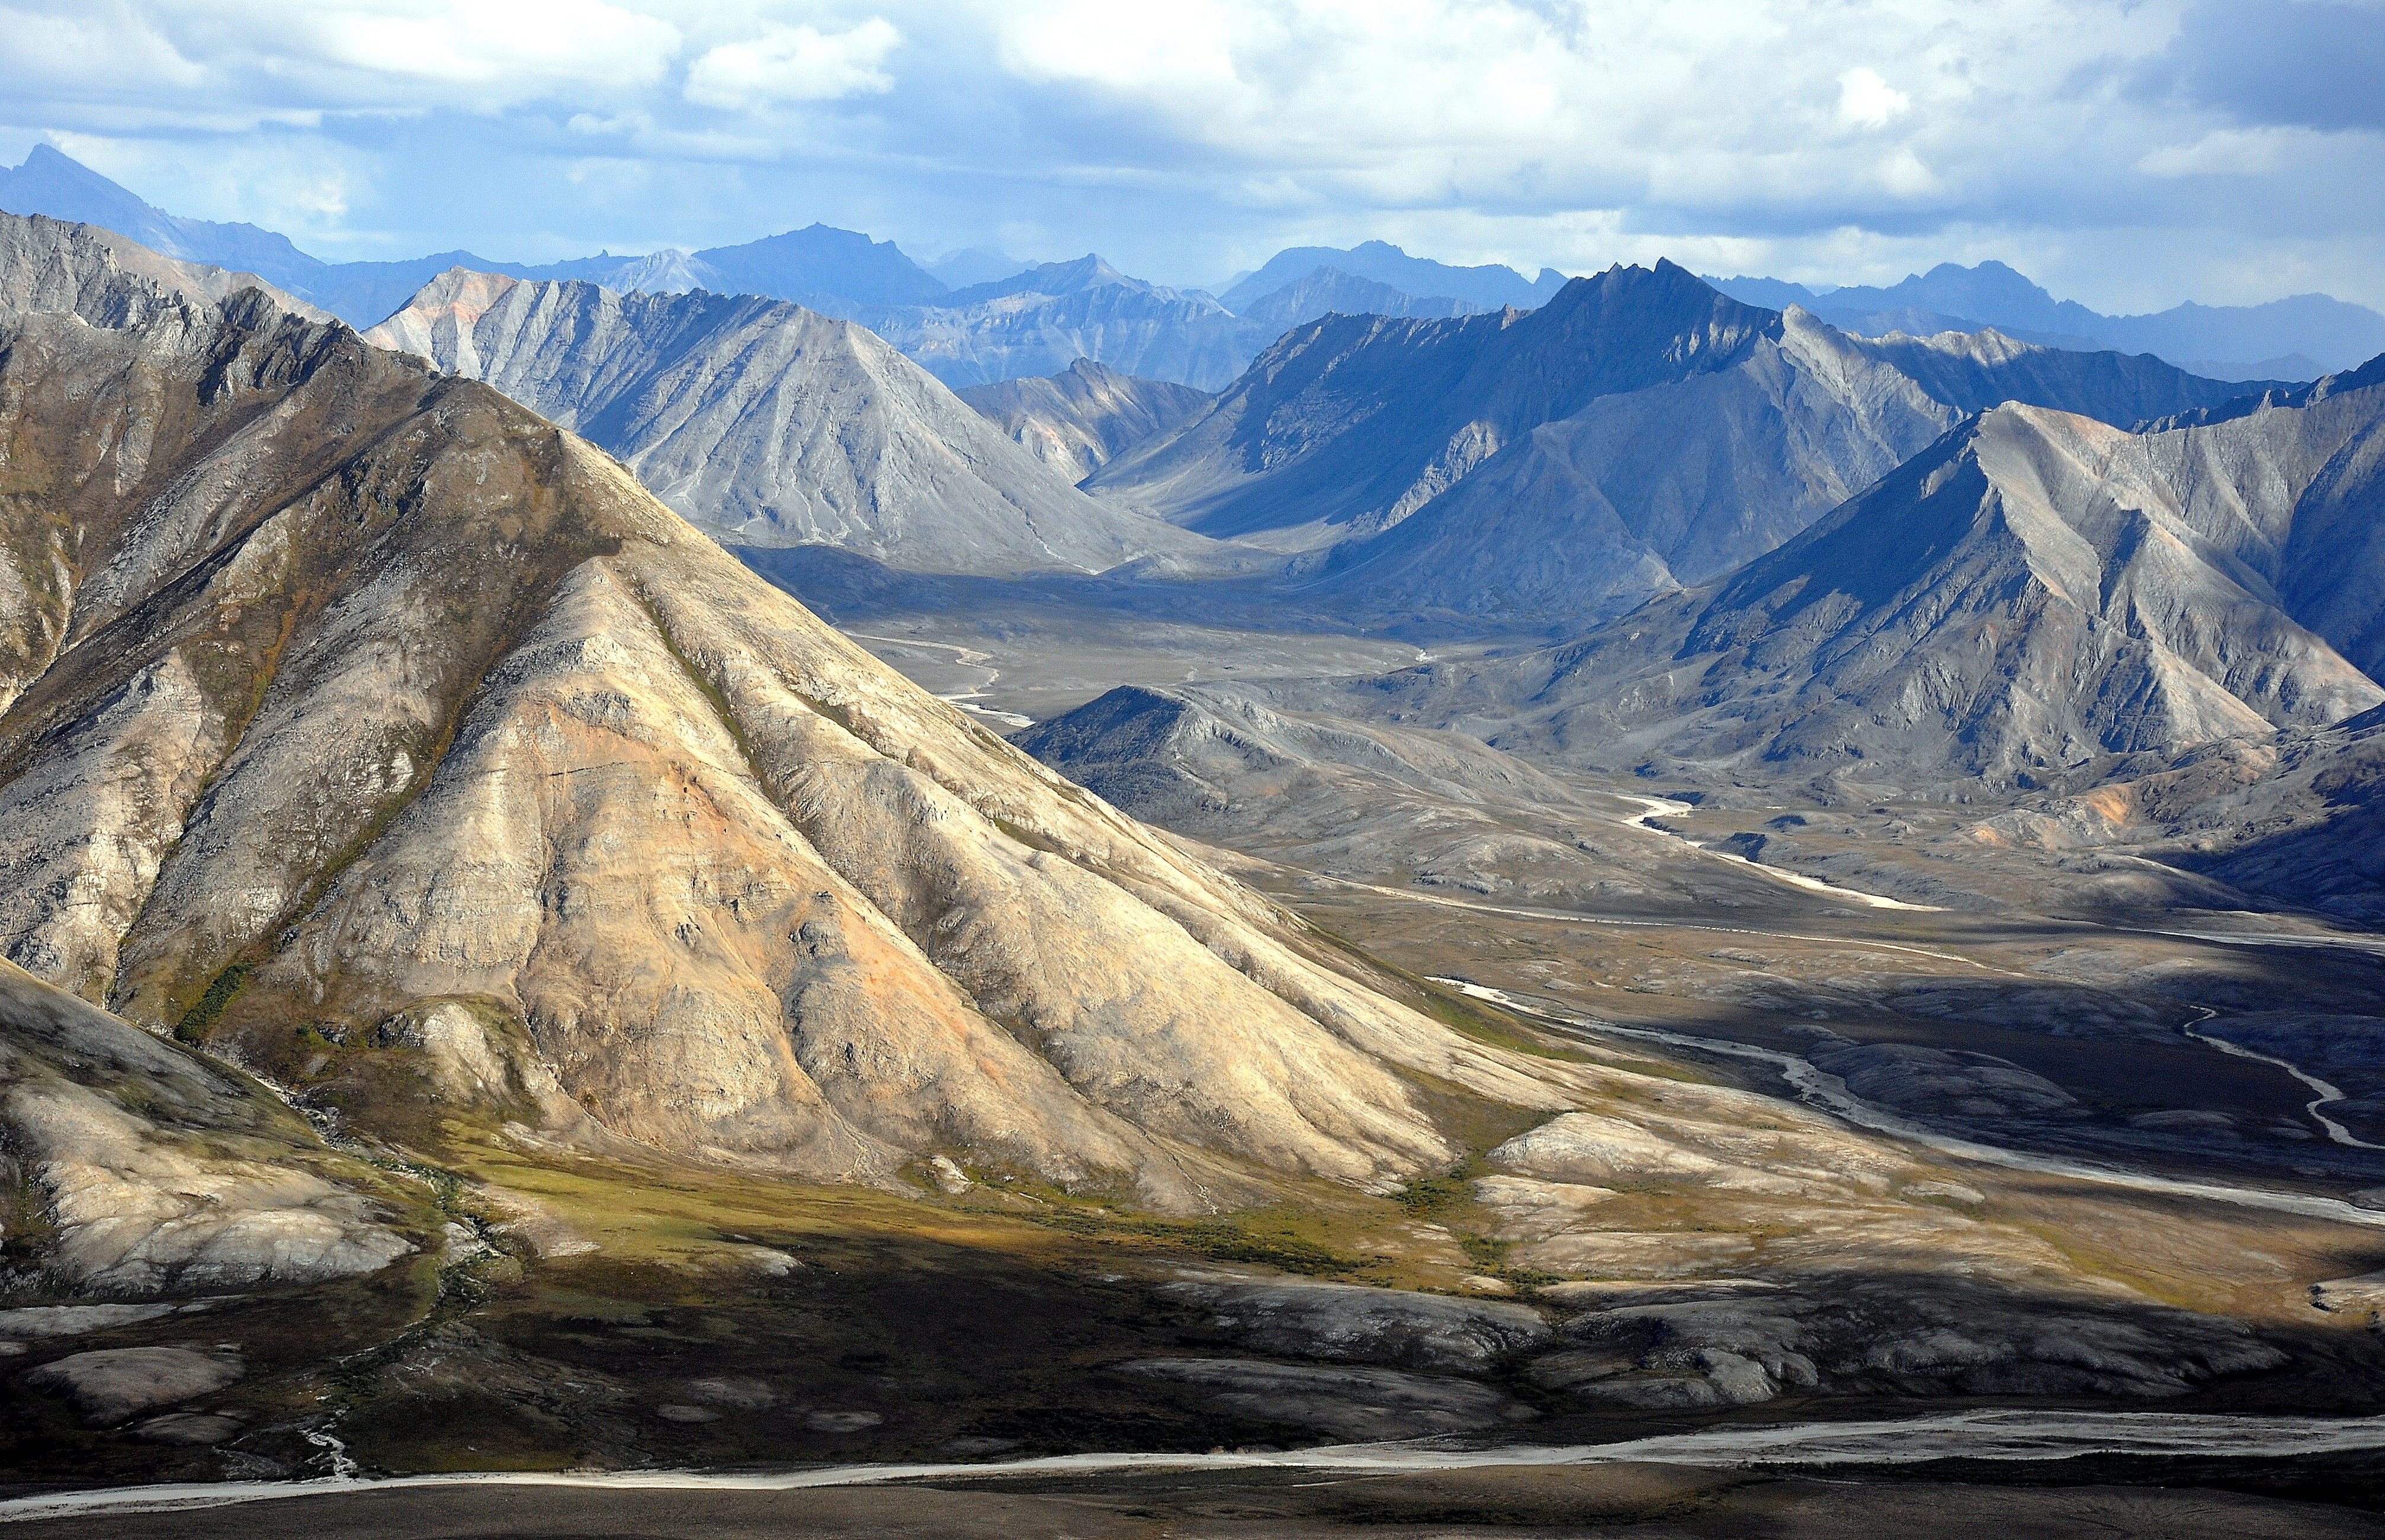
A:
{"x":1078,"y":420}
{"x":2242,"y":342}
{"x":1039,"y":321}
{"x":1638,"y":432}
{"x":840,"y":271}
{"x":48,"y":265}
{"x":1329,"y":291}
{"x":2034,"y":592}
{"x":398,"y":743}
{"x":825,"y":269}
{"x":974,"y":265}
{"x":54,"y":183}
{"x":770,"y":424}
{"x":1489,"y":287}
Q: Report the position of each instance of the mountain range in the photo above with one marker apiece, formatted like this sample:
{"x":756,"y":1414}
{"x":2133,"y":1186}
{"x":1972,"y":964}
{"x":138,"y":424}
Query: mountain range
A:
{"x":1638,"y":432}
{"x":2295,"y":338}
{"x":540,"y":808}
{"x":2033,"y":596}
{"x":1004,"y":320}
{"x":770,"y":424}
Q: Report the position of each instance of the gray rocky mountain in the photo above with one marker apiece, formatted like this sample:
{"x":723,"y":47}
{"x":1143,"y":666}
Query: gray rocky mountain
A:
{"x":540,"y":808}
{"x":48,"y":265}
{"x":1488,"y":287}
{"x":1543,"y":469}
{"x":1081,"y":418}
{"x":2035,"y":594}
{"x":2239,"y":342}
{"x":770,"y":424}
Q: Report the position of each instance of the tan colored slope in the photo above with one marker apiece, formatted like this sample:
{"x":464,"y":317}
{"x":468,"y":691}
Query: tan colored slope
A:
{"x":383,"y":707}
{"x":149,"y":1169}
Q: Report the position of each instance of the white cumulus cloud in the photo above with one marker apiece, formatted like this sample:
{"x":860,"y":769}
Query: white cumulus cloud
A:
{"x":1867,"y":101}
{"x":795,"y":63}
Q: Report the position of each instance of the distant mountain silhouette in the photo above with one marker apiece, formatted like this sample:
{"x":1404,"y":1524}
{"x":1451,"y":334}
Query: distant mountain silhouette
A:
{"x":2216,"y":340}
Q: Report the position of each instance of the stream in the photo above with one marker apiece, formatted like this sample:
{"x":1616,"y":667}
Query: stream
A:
{"x":2001,"y":1435}
{"x":1828,"y":1093}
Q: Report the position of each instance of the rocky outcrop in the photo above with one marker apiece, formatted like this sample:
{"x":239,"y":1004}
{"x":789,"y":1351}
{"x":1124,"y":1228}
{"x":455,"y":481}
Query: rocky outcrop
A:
{"x":111,"y":1385}
{"x":1079,"y":420}
{"x":150,"y":1169}
{"x":51,"y":265}
{"x":769,"y":424}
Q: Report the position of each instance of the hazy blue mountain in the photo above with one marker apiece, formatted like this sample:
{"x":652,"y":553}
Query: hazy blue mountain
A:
{"x":1038,"y":322}
{"x":833,"y":270}
{"x":1489,"y":287}
{"x":1088,"y":272}
{"x":974,"y":265}
{"x":2240,"y":342}
{"x":1329,"y":291}
{"x":56,"y":185}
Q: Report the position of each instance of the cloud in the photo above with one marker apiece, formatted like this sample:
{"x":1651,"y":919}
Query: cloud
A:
{"x":795,"y":63}
{"x":1867,"y":101}
{"x":2224,"y":153}
{"x":2316,"y":64}
{"x":2123,"y":147}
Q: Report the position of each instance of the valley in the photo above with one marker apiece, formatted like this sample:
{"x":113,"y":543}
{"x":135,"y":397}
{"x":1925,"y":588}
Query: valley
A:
{"x":619,"y":902}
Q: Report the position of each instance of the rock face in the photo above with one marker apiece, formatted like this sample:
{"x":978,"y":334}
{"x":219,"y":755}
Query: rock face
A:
{"x":1079,"y":420}
{"x":1636,"y":433}
{"x":769,"y":424}
{"x":111,"y":1385}
{"x":2034,"y":592}
{"x":151,"y":1170}
{"x":374,"y":730}
{"x":48,"y":265}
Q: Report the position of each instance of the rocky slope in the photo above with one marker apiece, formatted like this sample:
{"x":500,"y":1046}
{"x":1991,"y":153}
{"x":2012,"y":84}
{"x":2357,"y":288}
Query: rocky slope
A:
{"x":1638,"y":432}
{"x":2035,"y":592}
{"x":374,"y":731}
{"x":1079,"y":420}
{"x":138,"y":1167}
{"x":49,"y":264}
{"x":769,"y":424}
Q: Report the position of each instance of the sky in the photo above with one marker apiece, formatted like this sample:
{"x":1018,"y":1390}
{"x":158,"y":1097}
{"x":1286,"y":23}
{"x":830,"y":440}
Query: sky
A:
{"x":2130,"y":154}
